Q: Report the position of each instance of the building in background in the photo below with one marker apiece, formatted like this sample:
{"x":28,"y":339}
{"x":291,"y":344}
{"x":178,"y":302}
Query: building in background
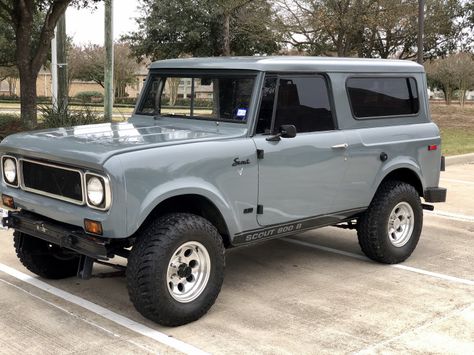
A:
{"x":43,"y":85}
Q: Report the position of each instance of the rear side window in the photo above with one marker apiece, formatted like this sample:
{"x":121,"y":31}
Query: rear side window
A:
{"x":383,"y":96}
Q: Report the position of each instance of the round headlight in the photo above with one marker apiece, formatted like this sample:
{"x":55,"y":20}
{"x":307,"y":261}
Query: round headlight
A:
{"x":9,"y":170}
{"x":95,"y":191}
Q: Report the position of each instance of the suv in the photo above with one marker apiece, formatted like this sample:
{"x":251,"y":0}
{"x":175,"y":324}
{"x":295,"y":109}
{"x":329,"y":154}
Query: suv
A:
{"x":224,"y":152}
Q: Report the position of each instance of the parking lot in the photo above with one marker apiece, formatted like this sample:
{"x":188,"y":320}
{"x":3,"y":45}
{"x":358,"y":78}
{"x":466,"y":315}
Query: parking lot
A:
{"x":311,"y":293}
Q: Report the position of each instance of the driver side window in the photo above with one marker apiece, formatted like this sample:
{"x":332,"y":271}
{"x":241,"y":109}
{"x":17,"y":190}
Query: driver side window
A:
{"x":302,"y":101}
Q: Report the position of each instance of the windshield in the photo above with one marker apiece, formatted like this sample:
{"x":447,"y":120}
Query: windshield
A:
{"x":218,"y":97}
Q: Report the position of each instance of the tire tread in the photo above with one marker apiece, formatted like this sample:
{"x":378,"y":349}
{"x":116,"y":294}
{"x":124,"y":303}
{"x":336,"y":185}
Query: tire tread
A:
{"x":154,"y":244}
{"x":369,"y":231}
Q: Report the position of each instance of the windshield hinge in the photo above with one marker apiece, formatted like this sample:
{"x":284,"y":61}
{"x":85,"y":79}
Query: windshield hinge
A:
{"x":259,"y":209}
{"x":260,"y":153}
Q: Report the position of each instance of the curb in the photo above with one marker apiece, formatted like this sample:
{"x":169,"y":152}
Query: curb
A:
{"x":460,"y":159}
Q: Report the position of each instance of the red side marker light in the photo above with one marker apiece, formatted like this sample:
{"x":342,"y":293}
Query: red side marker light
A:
{"x":432,"y":147}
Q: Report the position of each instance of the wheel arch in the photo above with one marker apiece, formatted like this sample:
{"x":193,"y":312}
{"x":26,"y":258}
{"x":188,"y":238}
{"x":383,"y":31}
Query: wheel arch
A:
{"x":191,"y":203}
{"x":405,"y":174}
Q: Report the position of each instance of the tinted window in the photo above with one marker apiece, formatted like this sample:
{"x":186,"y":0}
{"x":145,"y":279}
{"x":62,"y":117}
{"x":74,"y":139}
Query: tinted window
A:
{"x":375,"y":97}
{"x":302,"y":102}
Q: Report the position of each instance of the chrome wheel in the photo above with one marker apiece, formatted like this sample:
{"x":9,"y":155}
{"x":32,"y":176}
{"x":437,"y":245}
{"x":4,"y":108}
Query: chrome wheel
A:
{"x":188,"y":272}
{"x":400,"y":224}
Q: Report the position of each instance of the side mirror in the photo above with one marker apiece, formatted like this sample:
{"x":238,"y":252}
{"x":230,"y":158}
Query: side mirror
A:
{"x":288,"y":131}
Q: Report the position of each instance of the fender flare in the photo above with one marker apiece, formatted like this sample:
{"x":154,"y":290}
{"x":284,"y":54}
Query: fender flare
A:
{"x":398,"y":163}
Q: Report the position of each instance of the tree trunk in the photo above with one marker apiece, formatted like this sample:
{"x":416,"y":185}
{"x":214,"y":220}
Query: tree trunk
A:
{"x":462,"y":96}
{"x":11,"y":86}
{"x":447,"y":95}
{"x":226,"y":35}
{"x":339,"y":46}
{"x":28,"y":98}
{"x":31,"y":57}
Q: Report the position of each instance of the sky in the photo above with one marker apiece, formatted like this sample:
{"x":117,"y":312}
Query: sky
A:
{"x":86,"y":26}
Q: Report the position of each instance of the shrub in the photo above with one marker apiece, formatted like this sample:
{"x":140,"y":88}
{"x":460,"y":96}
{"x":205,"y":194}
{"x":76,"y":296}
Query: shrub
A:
{"x":57,"y":117}
{"x":90,"y":96}
{"x":10,"y":124}
{"x":13,"y":97}
{"x":125,"y":100}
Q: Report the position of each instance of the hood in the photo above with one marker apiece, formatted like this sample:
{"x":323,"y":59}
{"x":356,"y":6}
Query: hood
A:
{"x":92,"y":145}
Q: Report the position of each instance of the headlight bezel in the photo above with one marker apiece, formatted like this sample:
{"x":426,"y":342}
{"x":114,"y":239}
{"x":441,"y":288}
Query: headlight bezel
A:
{"x":16,"y":181}
{"x":107,"y":199}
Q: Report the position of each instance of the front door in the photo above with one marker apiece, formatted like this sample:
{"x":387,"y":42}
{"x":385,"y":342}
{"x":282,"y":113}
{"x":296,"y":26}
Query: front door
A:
{"x":298,"y":177}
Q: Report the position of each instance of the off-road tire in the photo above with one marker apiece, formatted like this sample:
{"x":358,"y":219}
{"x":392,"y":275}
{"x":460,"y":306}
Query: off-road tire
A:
{"x":43,"y":258}
{"x":372,"y":228}
{"x":148,"y":266}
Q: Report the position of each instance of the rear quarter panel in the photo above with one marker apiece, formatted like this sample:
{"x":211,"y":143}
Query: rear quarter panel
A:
{"x":404,"y":139}
{"x":406,"y":147}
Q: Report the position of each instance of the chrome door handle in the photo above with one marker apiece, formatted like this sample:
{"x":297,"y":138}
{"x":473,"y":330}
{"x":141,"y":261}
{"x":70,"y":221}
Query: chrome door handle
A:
{"x":340,"y":146}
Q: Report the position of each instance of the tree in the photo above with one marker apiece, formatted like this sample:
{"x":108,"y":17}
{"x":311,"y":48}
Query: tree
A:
{"x":175,"y":28}
{"x":464,"y":73}
{"x":370,"y":28}
{"x":324,"y":26}
{"x":10,"y":74}
{"x":125,"y":70}
{"x":30,"y":47}
{"x":469,"y":10}
{"x":7,"y":44}
{"x":451,"y":74}
{"x":440,"y":76}
{"x":87,"y":64}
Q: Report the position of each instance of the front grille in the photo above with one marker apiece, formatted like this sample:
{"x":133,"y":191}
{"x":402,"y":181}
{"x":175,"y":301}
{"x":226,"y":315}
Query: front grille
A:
{"x":53,"y":181}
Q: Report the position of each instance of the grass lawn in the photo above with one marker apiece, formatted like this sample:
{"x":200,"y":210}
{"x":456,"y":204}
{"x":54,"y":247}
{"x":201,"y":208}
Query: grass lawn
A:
{"x":457,"y":127}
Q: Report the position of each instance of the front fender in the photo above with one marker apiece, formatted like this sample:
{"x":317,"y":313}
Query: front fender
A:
{"x":181,"y":187}
{"x":151,"y":176}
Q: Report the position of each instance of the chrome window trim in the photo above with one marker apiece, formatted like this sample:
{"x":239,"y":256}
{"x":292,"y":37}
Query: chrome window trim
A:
{"x":107,"y":191}
{"x":17,"y":171}
{"x":47,"y":194}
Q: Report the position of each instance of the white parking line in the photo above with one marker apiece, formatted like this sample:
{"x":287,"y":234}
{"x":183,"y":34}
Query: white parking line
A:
{"x":111,"y":333}
{"x":450,"y":215}
{"x":458,"y":181}
{"x":104,"y":312}
{"x":397,"y":266}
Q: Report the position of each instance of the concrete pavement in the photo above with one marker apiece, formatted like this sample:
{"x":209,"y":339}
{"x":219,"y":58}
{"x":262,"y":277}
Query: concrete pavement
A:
{"x":311,"y":293}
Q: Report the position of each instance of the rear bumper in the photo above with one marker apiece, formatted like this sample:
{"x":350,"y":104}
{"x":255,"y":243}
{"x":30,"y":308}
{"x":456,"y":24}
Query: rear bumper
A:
{"x":435,"y":194}
{"x":66,"y":236}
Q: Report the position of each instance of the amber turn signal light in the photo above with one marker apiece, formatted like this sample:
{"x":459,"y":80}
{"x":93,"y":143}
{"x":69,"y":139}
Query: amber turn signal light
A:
{"x":8,"y":201}
{"x":93,"y":227}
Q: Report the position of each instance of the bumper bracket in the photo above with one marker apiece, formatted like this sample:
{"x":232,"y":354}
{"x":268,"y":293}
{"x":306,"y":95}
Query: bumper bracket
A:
{"x":66,"y":236}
